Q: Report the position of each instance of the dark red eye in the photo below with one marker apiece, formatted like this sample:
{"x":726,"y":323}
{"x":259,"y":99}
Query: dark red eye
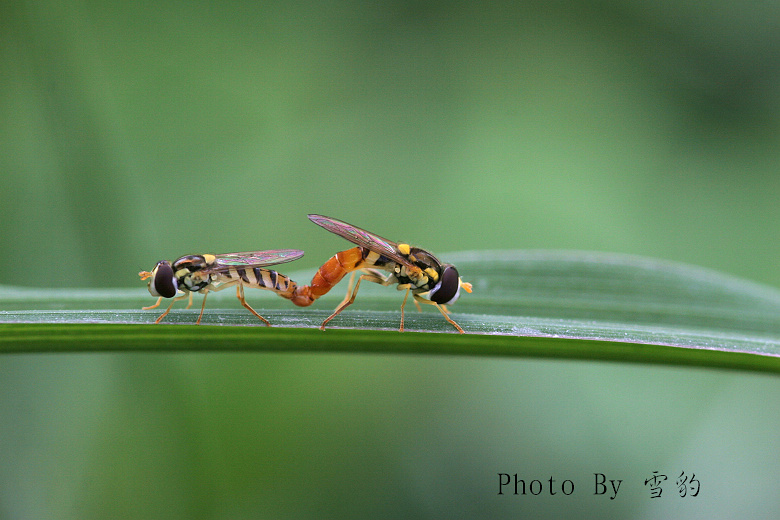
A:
{"x":448,"y":288}
{"x":163,"y":283}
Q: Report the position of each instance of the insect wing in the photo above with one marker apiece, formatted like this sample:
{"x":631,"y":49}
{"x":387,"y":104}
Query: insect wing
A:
{"x":361,"y":237}
{"x":253,"y":259}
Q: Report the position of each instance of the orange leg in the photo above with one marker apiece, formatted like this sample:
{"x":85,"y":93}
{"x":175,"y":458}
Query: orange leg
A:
{"x":240,"y":296}
{"x":164,"y":314}
{"x":442,"y":309}
{"x":153,"y":306}
{"x":351,"y":293}
{"x":402,"y":309}
{"x":351,"y":283}
{"x":205,"y":291}
{"x":202,"y":307}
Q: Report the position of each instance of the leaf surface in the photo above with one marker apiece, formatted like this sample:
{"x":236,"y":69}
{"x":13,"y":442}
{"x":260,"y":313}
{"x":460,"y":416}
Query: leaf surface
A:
{"x":571,"y":305}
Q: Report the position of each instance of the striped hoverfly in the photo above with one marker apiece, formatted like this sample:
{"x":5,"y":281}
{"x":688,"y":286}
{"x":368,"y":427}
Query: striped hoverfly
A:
{"x":210,"y":273}
{"x":411,"y":268}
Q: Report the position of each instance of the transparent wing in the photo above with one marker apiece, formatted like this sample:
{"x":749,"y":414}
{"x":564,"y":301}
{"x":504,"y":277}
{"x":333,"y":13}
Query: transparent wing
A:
{"x":252,"y":259}
{"x":361,"y":237}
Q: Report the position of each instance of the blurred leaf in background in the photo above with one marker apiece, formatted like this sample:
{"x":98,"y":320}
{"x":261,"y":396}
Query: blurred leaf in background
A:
{"x":133,"y":132}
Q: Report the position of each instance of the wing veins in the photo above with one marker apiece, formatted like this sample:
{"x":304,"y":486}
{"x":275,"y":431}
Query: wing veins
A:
{"x":361,"y":237}
{"x":252,"y":259}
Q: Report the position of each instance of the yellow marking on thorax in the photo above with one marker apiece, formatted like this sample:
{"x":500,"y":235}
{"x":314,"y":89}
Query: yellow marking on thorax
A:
{"x":210,"y":259}
{"x":432,"y":273}
{"x":404,"y":249}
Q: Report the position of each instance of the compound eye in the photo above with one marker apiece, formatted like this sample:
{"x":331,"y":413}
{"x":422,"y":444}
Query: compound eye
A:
{"x":448,"y":289}
{"x":162,"y":282}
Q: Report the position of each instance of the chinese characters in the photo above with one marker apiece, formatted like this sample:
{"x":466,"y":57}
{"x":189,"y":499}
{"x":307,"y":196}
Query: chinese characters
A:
{"x":686,"y":486}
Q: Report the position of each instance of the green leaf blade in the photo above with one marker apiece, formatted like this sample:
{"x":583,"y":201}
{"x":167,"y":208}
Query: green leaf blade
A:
{"x":525,"y":303}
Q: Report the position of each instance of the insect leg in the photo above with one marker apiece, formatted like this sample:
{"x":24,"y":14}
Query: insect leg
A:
{"x":202,"y":307}
{"x":240,"y":296}
{"x":153,"y":306}
{"x":351,"y":295}
{"x":327,"y":276}
{"x":443,"y":311}
{"x":402,"y":309}
{"x":169,"y":307}
{"x":349,"y":289}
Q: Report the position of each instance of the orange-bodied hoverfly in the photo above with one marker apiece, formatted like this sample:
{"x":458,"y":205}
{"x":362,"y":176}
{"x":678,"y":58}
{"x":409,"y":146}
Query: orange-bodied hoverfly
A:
{"x":207,"y":272}
{"x":412,"y":268}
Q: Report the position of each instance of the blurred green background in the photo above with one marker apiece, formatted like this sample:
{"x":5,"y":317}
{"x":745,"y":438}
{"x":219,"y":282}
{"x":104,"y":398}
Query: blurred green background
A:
{"x":136,"y":131}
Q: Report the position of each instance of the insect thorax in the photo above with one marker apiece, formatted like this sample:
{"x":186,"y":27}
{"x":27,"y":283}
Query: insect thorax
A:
{"x":427,"y":274}
{"x":190,"y":272}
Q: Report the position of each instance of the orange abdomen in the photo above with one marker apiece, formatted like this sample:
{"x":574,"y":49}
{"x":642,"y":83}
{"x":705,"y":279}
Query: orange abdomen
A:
{"x":328,"y":276}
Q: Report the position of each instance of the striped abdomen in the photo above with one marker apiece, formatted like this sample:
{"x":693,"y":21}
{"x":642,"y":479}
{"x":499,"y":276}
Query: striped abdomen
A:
{"x":258,"y":278}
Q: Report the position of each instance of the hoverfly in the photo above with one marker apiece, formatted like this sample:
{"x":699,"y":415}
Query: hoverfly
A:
{"x":208,"y":272}
{"x":412,"y":268}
